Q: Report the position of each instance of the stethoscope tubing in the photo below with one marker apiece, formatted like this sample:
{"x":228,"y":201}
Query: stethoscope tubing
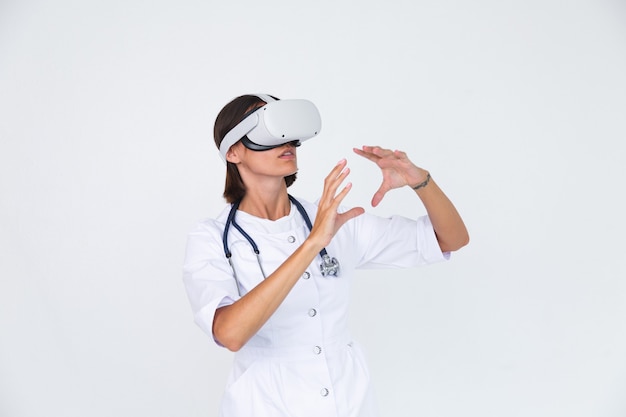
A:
{"x":329,"y":266}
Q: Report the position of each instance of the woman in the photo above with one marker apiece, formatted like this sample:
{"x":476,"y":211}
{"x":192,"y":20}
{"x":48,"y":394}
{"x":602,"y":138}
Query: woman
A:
{"x":259,"y":289}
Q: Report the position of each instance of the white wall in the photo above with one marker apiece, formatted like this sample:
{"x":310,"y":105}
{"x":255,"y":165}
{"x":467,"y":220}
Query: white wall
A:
{"x":106,"y":162}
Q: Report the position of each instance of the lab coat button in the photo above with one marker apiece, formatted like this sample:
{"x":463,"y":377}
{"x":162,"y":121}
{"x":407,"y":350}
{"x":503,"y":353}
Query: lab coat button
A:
{"x":317,"y":350}
{"x":312,"y":312}
{"x":291,"y":239}
{"x":324,"y":392}
{"x":306,"y":275}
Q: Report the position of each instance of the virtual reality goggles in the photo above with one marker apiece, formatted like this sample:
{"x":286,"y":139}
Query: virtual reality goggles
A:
{"x":276,"y":123}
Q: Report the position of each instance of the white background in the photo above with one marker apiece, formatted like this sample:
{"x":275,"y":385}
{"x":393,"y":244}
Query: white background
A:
{"x":518,"y":109}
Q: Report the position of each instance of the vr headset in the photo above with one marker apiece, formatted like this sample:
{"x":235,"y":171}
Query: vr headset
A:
{"x":276,"y":123}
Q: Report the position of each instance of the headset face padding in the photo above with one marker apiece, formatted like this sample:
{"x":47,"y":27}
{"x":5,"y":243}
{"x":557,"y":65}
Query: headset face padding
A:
{"x":260,"y":148}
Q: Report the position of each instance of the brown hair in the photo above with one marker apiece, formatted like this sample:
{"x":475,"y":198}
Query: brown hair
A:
{"x":228,"y":118}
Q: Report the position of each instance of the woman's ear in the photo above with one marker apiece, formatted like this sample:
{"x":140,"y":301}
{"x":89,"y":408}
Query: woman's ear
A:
{"x":232,"y":155}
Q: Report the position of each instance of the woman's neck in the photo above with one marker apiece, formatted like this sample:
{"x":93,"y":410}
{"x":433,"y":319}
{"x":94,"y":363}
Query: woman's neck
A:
{"x":266,"y":204}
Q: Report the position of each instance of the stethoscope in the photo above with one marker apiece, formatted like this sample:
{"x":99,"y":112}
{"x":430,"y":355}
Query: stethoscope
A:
{"x":329,"y":266}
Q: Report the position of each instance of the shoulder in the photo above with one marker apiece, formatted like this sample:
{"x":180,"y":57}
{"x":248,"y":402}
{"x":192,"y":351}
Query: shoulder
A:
{"x":212,"y":225}
{"x":204,"y":241}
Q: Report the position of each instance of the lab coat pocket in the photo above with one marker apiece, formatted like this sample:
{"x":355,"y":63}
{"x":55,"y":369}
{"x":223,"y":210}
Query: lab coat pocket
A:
{"x":250,"y":393}
{"x":360,"y":386}
{"x":358,"y":359}
{"x":353,"y":381}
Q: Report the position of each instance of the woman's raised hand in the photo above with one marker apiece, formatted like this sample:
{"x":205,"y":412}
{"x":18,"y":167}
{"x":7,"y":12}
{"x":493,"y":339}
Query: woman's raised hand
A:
{"x":328,"y":221}
{"x":396,"y":168}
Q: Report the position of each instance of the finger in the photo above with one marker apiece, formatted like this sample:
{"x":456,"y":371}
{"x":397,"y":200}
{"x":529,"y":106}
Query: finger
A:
{"x":335,"y":183}
{"x":337,"y":169}
{"x":375,"y":150}
{"x":340,"y":196}
{"x":381,"y":152}
{"x":378,"y":155}
{"x":378,"y":197}
{"x":379,"y":194}
{"x":370,"y":148}
{"x":400,"y":154}
{"x":330,"y":197}
{"x":333,"y":179}
{"x":328,"y":212}
{"x":343,"y":218}
{"x":367,"y":155}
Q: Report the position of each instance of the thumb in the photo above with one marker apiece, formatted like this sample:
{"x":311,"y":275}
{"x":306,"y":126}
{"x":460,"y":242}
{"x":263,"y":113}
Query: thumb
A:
{"x":378,"y":196}
{"x":348,"y":215}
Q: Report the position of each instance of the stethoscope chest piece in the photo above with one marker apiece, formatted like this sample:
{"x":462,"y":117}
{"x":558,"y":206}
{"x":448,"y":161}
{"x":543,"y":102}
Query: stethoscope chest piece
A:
{"x":329,"y":266}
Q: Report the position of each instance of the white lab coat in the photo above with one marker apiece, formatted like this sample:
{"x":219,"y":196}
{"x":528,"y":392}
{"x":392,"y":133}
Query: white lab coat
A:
{"x":302,"y":362}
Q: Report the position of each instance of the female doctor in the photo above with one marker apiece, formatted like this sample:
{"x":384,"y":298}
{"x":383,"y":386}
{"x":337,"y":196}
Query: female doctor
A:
{"x":270,"y":277}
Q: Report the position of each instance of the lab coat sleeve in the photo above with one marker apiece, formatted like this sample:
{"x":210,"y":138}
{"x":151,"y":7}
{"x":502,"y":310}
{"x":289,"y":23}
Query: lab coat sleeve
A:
{"x":207,"y":275}
{"x":395,"y":242}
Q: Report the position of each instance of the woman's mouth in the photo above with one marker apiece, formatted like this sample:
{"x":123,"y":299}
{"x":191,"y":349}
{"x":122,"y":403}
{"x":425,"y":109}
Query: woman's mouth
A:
{"x":288,"y":153}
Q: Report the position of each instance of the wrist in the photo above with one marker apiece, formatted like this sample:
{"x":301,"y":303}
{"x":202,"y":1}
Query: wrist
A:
{"x":312,"y":244}
{"x":422,"y":184}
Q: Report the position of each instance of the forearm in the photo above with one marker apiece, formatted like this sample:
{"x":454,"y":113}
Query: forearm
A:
{"x":235,"y":324}
{"x":449,"y":227}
